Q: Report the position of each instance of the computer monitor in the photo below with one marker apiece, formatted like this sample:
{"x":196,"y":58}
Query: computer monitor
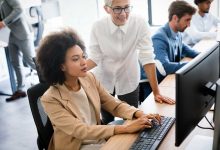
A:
{"x":216,"y":140}
{"x":192,"y":101}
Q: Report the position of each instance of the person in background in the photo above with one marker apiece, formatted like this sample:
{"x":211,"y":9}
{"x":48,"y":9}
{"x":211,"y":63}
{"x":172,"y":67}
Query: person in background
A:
{"x":21,"y":44}
{"x":117,"y":43}
{"x":75,"y":97}
{"x":167,"y":41}
{"x":203,"y":24}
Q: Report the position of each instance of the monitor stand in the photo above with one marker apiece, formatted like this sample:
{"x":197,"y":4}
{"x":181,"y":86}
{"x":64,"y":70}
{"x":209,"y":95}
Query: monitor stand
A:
{"x":212,"y":108}
{"x":200,"y":142}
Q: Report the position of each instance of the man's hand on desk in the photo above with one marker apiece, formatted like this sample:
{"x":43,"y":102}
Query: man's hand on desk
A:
{"x":163,"y":99}
{"x":186,"y":59}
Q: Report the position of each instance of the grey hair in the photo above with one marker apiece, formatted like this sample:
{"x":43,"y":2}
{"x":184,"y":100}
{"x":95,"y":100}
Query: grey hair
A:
{"x":108,"y":2}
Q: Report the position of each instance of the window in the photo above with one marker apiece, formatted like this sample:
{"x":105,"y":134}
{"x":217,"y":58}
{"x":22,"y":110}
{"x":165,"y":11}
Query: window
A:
{"x":158,"y":12}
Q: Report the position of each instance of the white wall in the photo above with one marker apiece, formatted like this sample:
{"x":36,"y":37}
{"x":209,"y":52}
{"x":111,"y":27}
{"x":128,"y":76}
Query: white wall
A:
{"x":80,"y":15}
{"x":215,"y":8}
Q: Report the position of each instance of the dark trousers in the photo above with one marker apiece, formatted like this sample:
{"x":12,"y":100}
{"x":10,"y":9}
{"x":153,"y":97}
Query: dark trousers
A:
{"x":130,"y":98}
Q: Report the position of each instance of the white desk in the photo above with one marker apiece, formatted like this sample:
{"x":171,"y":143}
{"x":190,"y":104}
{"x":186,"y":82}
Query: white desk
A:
{"x":203,"y":45}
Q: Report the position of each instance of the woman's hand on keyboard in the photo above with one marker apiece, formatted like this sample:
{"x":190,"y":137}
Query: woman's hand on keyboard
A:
{"x":135,"y":125}
{"x":138,"y":124}
{"x":155,"y":117}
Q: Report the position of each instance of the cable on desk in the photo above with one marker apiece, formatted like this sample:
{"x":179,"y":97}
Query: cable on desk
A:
{"x":212,"y":127}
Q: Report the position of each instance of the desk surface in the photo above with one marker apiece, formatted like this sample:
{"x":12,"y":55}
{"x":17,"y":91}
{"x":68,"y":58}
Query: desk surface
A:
{"x":167,"y":87}
{"x":203,"y":45}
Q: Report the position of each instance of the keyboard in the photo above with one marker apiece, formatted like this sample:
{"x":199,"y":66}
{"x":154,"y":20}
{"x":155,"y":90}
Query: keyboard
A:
{"x":150,"y":139}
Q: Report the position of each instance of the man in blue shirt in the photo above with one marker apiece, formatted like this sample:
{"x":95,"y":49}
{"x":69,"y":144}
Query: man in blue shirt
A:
{"x":167,"y":41}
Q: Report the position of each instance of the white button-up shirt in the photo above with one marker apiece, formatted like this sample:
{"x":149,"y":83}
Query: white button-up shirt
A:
{"x":201,"y":28}
{"x":116,"y":51}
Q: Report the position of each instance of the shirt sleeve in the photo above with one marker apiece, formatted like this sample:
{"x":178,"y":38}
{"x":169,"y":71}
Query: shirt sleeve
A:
{"x":94,"y":52}
{"x":146,"y":53}
{"x":196,"y":35}
{"x":15,"y":13}
{"x":189,"y":52}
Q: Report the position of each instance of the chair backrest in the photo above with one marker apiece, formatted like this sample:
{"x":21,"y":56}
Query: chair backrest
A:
{"x":40,"y":76}
{"x":42,"y":122}
{"x":36,"y":12}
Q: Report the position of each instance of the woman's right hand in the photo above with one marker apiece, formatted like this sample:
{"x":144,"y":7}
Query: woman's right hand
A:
{"x":137,"y":124}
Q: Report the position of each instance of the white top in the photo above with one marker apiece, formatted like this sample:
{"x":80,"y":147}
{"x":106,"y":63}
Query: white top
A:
{"x":86,"y":109}
{"x":201,"y":28}
{"x":117,"y":49}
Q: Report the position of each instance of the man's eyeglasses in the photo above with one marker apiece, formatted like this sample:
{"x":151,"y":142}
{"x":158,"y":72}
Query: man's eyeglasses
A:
{"x":118,"y":10}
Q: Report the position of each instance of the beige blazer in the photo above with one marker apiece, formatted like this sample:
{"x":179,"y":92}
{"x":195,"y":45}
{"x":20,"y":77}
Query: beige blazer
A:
{"x":69,"y":129}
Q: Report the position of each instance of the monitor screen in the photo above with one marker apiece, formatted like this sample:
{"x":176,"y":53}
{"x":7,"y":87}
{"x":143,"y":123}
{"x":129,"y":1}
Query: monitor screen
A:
{"x":192,"y":103}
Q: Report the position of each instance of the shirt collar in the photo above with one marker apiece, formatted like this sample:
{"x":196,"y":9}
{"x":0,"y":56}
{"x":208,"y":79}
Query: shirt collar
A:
{"x":173,"y":34}
{"x":205,"y":15}
{"x":114,"y":28}
{"x":202,"y":17}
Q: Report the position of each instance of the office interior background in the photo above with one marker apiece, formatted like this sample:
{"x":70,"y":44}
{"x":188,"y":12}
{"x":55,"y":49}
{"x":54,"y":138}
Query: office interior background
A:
{"x":17,"y":129}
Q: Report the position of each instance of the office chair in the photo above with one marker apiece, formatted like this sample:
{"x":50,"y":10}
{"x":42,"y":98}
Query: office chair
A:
{"x":38,"y":26}
{"x":143,"y":92}
{"x":40,"y":76}
{"x":35,"y":12}
{"x":144,"y":86}
{"x":42,"y":122}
